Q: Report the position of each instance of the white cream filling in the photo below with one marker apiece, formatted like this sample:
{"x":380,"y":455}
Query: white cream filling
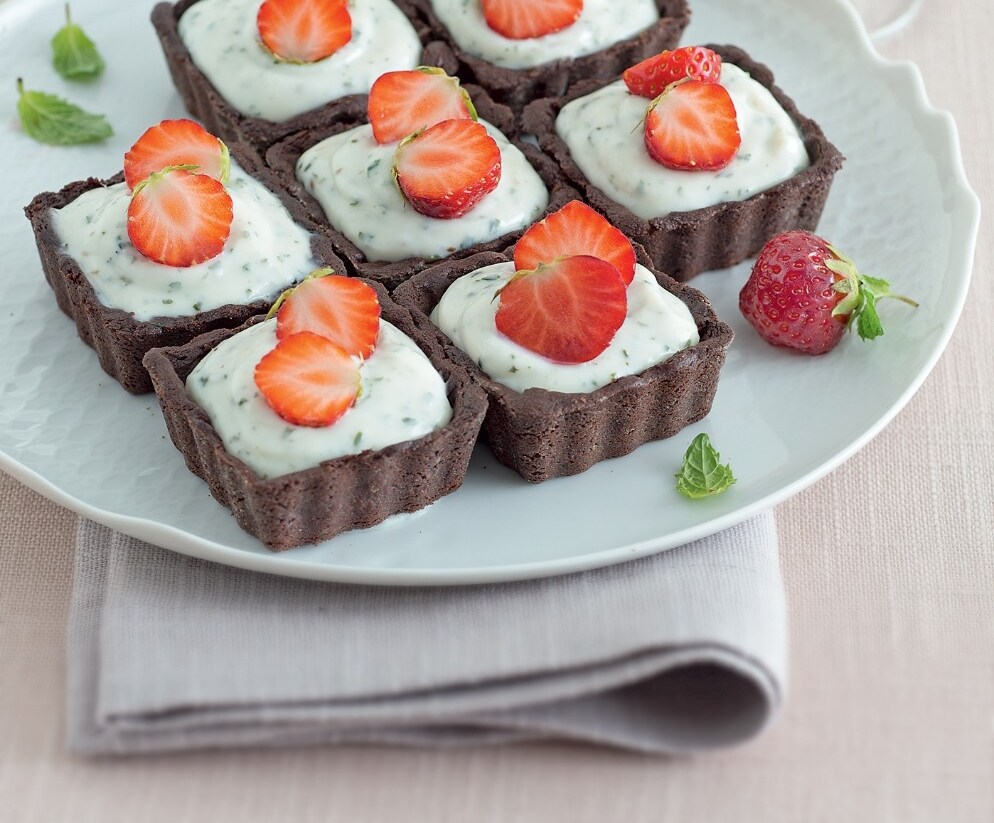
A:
{"x":351,"y":176}
{"x":265,"y":252}
{"x":601,"y":24}
{"x":657,"y":325}
{"x":223,"y":40}
{"x":604,"y":133}
{"x":401,"y":398}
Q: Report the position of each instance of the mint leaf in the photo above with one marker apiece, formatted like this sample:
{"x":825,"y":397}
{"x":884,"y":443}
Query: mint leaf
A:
{"x":73,"y":53}
{"x":50,"y":119}
{"x":702,"y":474}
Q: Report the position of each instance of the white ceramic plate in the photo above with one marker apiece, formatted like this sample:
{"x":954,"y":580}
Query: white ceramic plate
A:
{"x":901,"y":207}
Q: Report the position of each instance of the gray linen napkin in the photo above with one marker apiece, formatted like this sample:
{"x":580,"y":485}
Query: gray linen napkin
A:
{"x":680,"y":652}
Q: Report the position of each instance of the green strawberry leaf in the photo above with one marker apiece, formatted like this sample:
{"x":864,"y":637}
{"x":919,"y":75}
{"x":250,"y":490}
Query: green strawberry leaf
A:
{"x":702,"y":474}
{"x":848,"y":304}
{"x":868,"y":323}
{"x":74,"y":55}
{"x":875,"y":286}
{"x":861,"y":293}
{"x":50,"y":119}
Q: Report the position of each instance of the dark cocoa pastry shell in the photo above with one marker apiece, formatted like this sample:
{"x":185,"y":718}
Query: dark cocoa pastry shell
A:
{"x":543,"y":434}
{"x":120,"y":340}
{"x":282,"y":159}
{"x":337,"y":495}
{"x":685,"y":244}
{"x":518,"y":87}
{"x":206,"y":103}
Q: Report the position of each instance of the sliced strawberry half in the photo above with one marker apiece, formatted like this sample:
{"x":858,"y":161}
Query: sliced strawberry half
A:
{"x":447,"y":169}
{"x":176,"y":143}
{"x":304,"y":31}
{"x":575,"y":229}
{"x":523,"y":19}
{"x":308,"y":380}
{"x":178,"y":218}
{"x":403,"y":102}
{"x":692,"y":127}
{"x":343,"y":309}
{"x":567,"y":311}
{"x":651,"y":77}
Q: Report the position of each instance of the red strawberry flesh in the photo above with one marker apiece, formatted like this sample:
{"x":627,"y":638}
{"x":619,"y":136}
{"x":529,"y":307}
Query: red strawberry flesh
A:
{"x":651,"y":77}
{"x":567,"y":311}
{"x":524,"y":19}
{"x":176,"y":143}
{"x":403,"y":102}
{"x":308,"y":380}
{"x":342,"y":309}
{"x":304,"y":31}
{"x":693,"y":127}
{"x":576,"y":229}
{"x":447,"y":169}
{"x":180,"y":219}
{"x":790,"y":296}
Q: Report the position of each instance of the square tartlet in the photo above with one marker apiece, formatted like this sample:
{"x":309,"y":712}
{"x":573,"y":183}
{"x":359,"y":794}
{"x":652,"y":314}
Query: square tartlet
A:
{"x":337,"y":495}
{"x":687,"y":243}
{"x":518,"y":87}
{"x":282,"y":159}
{"x":205,"y":102}
{"x":544,"y":434}
{"x":119,"y":339}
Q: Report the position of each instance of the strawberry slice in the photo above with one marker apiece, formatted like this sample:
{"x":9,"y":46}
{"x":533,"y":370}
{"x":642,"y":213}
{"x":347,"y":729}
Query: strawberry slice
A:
{"x":178,"y":218}
{"x":403,"y":102}
{"x":308,"y":380}
{"x":176,"y":143}
{"x":304,"y":31}
{"x":342,"y":309}
{"x":447,"y":169}
{"x":523,"y":19}
{"x":567,"y":311}
{"x":651,"y":77}
{"x":693,"y":127}
{"x":575,"y":229}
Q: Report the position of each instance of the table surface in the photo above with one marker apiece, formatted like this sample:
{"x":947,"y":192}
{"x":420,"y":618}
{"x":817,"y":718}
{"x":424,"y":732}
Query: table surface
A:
{"x":892,"y":633}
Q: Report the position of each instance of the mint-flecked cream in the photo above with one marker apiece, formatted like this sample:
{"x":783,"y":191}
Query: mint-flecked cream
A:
{"x":401,"y":397}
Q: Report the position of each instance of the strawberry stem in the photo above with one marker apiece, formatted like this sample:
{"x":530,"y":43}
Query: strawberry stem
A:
{"x":913,"y":303}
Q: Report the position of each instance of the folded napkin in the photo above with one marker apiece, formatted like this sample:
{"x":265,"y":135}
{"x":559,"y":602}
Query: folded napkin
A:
{"x":680,"y":652}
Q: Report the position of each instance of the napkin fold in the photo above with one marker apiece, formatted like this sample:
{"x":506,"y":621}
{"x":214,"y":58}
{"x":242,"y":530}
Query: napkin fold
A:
{"x":679,"y":652}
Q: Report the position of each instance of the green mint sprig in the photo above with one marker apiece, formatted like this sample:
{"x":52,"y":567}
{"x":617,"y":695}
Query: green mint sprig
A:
{"x":74,"y":55}
{"x":702,"y":474}
{"x":50,"y":119}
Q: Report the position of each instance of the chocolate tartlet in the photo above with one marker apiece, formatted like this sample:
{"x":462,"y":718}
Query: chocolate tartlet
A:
{"x":282,"y":159}
{"x":687,"y":243}
{"x":518,"y":87}
{"x":352,"y":492}
{"x":543,"y":434}
{"x":120,"y":340}
{"x":219,"y":117}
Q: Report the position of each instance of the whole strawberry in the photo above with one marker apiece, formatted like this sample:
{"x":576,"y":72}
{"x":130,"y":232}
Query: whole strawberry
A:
{"x":804,"y":293}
